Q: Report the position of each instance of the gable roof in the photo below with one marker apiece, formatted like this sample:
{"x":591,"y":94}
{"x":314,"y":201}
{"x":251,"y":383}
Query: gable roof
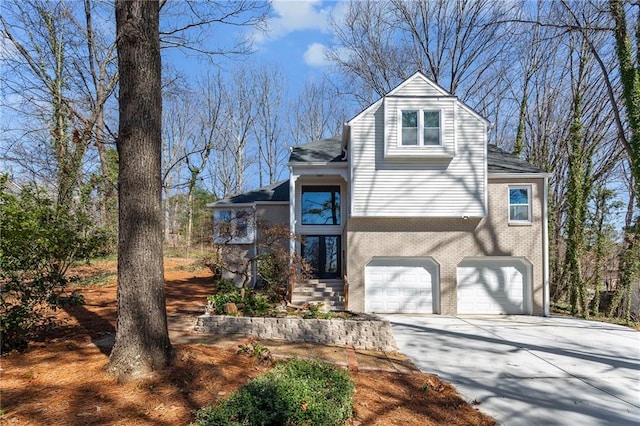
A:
{"x":501,"y":161}
{"x":276,"y":192}
{"x":322,"y":151}
{"x":420,"y":75}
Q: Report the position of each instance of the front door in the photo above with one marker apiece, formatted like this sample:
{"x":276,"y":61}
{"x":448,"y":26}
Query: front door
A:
{"x":322,"y":252}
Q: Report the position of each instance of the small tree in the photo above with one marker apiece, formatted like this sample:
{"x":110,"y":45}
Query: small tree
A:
{"x":38,"y":243}
{"x":276,"y":266}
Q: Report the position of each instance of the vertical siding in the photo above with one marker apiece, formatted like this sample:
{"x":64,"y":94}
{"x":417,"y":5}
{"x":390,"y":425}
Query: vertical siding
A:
{"x":420,"y":187}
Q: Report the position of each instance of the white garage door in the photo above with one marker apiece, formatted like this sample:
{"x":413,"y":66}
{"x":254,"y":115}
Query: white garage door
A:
{"x":406,"y":285}
{"x":493,"y":286}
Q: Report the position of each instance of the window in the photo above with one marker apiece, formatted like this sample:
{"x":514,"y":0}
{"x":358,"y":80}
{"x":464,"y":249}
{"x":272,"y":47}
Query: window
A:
{"x":233,"y":226}
{"x":322,"y":252}
{"x":321,"y":205}
{"x":520,"y":204}
{"x":431,"y":128}
{"x":409,"y":127}
{"x":420,"y":128}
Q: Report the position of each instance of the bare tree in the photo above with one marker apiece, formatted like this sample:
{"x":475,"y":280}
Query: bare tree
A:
{"x":67,"y":73}
{"x":582,"y":156}
{"x":268,"y":129}
{"x":190,"y":25}
{"x":454,"y":42}
{"x":207,"y":131}
{"x":315,"y":112}
{"x":177,"y":138}
{"x":142,"y":338}
{"x":230,"y":158}
{"x":629,"y":68}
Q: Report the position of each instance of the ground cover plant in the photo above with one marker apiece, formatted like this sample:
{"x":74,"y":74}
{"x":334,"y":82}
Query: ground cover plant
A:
{"x":296,"y":392}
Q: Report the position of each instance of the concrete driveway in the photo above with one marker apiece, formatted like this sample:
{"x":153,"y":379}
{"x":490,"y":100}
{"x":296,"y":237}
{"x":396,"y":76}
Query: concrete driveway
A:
{"x":530,"y":370}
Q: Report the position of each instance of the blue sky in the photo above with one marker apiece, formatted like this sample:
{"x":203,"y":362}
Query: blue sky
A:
{"x":297,"y":34}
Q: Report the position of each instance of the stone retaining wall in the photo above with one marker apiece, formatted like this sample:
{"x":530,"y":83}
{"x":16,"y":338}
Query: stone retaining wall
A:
{"x":368,"y":334}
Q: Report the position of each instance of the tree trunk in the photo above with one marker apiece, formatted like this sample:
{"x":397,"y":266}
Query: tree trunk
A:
{"x":142,"y":339}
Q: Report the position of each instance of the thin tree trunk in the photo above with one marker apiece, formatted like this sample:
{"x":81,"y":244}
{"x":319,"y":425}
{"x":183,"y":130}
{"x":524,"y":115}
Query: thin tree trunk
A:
{"x":142,"y":339}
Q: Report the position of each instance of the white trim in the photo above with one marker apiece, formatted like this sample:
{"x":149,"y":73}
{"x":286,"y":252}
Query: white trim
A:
{"x":541,"y":175}
{"x":436,"y":86}
{"x":545,"y":247}
{"x":241,"y":205}
{"x":442,"y":90}
{"x":365,"y":111}
{"x":292,"y":211}
{"x":337,"y":164}
{"x":485,"y":172}
{"x":455,"y":129}
{"x":271,"y":203}
{"x":529,"y":190}
{"x":341,"y":209}
{"x":228,"y":206}
{"x":420,"y":128}
{"x":424,"y":78}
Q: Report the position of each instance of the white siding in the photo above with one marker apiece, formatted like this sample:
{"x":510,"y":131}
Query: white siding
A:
{"x":420,"y":187}
{"x":419,"y":86}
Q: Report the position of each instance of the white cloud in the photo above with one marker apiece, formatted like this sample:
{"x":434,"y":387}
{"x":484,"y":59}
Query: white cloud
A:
{"x":316,"y":55}
{"x":295,"y":15}
{"x":7,"y":49}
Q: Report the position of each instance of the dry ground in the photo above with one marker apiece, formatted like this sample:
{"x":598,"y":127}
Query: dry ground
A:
{"x":61,"y":379}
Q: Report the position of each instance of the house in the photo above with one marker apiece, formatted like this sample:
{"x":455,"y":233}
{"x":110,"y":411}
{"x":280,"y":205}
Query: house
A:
{"x":412,"y":211}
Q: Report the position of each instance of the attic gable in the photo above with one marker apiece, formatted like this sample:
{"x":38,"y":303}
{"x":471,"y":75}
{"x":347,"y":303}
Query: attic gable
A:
{"x":419,"y":86}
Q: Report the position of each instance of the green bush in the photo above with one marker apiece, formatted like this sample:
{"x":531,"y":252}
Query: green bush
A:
{"x":298,"y":392}
{"x":38,"y":243}
{"x":255,"y":304}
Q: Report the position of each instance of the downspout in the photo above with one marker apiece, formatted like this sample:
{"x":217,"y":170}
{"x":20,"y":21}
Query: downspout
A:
{"x":254,"y":267}
{"x":545,"y":245}
{"x":292,"y":230}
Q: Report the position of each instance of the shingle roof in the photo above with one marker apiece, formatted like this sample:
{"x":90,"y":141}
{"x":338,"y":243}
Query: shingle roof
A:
{"x":322,"y":151}
{"x":500,"y":161}
{"x":330,"y":150}
{"x":279,"y":191}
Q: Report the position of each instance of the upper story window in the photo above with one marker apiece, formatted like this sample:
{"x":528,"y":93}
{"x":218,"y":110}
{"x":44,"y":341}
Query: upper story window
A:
{"x":420,"y":127}
{"x":235,"y":226}
{"x":321,"y":205}
{"x":520,"y":204}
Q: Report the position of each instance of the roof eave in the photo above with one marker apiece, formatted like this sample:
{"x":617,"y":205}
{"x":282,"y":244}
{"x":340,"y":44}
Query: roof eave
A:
{"x":317,"y":164}
{"x":516,"y":175}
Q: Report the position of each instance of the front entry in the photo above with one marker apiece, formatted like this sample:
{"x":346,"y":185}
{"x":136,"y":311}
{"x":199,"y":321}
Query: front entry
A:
{"x":322,"y":252}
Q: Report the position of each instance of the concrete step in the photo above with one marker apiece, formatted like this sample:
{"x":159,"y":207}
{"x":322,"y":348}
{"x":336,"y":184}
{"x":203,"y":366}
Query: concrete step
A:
{"x":331,"y":304}
{"x":328,"y":292}
{"x":299,"y":299}
{"x":335,"y":285}
{"x":317,"y":292}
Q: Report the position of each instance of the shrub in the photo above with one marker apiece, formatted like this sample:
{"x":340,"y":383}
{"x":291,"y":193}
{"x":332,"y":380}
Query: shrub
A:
{"x":298,"y":392}
{"x":38,"y":243}
{"x":254,"y":304}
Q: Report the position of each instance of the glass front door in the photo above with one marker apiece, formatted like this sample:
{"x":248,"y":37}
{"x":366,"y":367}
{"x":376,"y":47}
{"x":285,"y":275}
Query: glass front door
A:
{"x":322,"y":252}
